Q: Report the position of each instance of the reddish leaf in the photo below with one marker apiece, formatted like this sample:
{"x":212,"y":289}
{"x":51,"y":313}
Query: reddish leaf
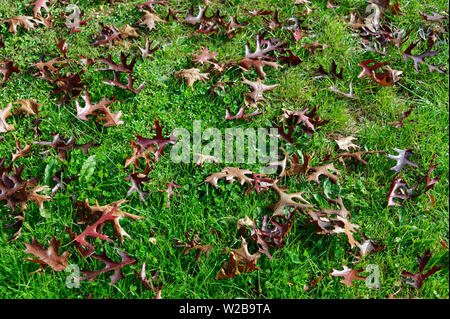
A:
{"x":420,"y":277}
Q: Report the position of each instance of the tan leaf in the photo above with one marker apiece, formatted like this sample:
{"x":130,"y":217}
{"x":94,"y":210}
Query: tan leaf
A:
{"x":149,"y":20}
{"x":28,"y":106}
{"x":48,"y":257}
{"x":4,"y":114}
{"x":230,"y":174}
{"x":324,"y":170}
{"x":191,"y":75}
{"x":287,"y":200}
{"x":27,"y":22}
{"x":346,"y":142}
{"x":257,"y":89}
{"x":201,"y":159}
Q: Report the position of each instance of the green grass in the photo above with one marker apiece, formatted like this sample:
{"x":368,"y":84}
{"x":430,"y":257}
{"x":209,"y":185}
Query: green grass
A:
{"x":406,"y":231}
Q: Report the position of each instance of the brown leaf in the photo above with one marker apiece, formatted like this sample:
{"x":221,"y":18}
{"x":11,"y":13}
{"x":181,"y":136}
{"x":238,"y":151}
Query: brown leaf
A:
{"x":230,"y":174}
{"x":26,"y":22}
{"x":257,"y":89}
{"x":7,"y":69}
{"x":28,"y":106}
{"x":4,"y":114}
{"x":191,"y":75}
{"x":324,"y":170}
{"x":149,"y":20}
{"x":204,"y":56}
{"x":241,"y":261}
{"x":287,"y":200}
{"x":348,"y":274}
{"x":258,"y":64}
{"x":48,"y":257}
{"x":193,"y":243}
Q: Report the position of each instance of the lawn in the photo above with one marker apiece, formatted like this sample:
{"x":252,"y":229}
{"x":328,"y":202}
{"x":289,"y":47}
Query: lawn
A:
{"x":301,"y":267}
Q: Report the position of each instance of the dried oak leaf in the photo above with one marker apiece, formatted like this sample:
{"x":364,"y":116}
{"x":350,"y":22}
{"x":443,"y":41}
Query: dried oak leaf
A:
{"x":260,"y":182}
{"x":230,"y":174}
{"x":267,"y":237}
{"x":324,"y":170}
{"x":330,"y":221}
{"x":257,"y":89}
{"x":402,"y":159}
{"x":100,"y":110}
{"x":150,"y":283}
{"x":74,"y":20}
{"x":149,"y":4}
{"x":16,"y":191}
{"x":346,"y":143}
{"x":201,"y":16}
{"x":204,"y":56}
{"x":62,"y":147}
{"x":333,"y":71}
{"x":307,"y":117}
{"x":356,"y":156}
{"x":61,"y":181}
{"x":48,"y":70}
{"x":159,"y":140}
{"x":149,"y":20}
{"x":350,"y":95}
{"x":418,"y":279}
{"x":26,"y":22}
{"x":27,"y":106}
{"x":137,"y":182}
{"x":241,"y":261}
{"x":434,"y":17}
{"x":296,"y":168}
{"x":419,"y":59}
{"x":233,"y":26}
{"x":241,"y":114}
{"x":18,"y":224}
{"x":431,"y":182}
{"x":405,"y":114}
{"x":4,"y":114}
{"x":107,"y":35}
{"x":399,"y":189}
{"x":170,"y":188}
{"x":94,"y":231}
{"x":348,"y":274}
{"x":109,"y":266}
{"x":258,"y":64}
{"x":263,"y":47}
{"x":70,"y":85}
{"x":146,"y":52}
{"x":368,"y":247}
{"x":38,"y":5}
{"x":48,"y":257}
{"x":193,"y":243}
{"x":129,"y":86}
{"x":90,"y":214}
{"x":123,"y":67}
{"x":313,"y":47}
{"x":274,"y":23}
{"x":191,"y":75}
{"x":201,"y":159}
{"x":21,"y":152}
{"x":7,"y":69}
{"x":294,"y":200}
